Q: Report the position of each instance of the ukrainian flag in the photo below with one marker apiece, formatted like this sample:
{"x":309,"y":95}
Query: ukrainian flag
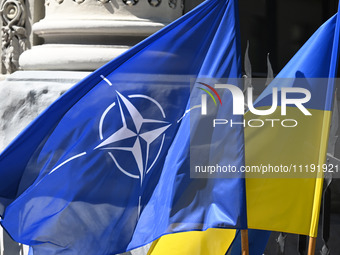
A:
{"x":290,"y":202}
{"x":284,"y":204}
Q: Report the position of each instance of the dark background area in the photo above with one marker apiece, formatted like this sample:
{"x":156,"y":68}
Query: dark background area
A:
{"x":279,"y":27}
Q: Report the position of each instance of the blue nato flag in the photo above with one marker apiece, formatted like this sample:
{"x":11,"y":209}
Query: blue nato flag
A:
{"x":105,"y":169}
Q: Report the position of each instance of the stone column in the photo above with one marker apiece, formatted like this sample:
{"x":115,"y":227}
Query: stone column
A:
{"x":85,"y":34}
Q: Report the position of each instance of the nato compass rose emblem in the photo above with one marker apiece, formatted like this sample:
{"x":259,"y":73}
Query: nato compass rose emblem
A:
{"x":132,"y":138}
{"x":139,"y":135}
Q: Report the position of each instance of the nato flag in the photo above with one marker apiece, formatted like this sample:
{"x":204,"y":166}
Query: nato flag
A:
{"x":105,"y":168}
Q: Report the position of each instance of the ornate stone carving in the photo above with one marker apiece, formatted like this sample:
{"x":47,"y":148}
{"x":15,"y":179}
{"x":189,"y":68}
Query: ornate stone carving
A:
{"x":14,"y":36}
{"x":154,"y":3}
{"x":173,"y":4}
{"x":130,"y":2}
{"x":79,"y":1}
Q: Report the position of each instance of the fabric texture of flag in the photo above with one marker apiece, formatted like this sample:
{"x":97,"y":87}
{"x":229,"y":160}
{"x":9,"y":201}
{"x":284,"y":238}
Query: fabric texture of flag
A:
{"x":105,"y":168}
{"x":292,"y":204}
{"x":257,"y":242}
{"x":210,"y":242}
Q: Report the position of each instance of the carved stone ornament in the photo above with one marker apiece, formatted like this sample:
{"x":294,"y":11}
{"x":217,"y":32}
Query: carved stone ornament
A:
{"x":154,"y":3}
{"x":79,"y":1}
{"x":130,"y":2}
{"x":14,"y":36}
{"x":173,"y":4}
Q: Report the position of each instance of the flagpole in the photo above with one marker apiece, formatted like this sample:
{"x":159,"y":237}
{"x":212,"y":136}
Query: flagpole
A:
{"x":244,"y":242}
{"x":311,"y":245}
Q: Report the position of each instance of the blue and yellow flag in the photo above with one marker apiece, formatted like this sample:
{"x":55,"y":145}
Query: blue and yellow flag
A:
{"x":279,"y":203}
{"x":213,"y":241}
{"x":105,"y":169}
{"x":289,"y":204}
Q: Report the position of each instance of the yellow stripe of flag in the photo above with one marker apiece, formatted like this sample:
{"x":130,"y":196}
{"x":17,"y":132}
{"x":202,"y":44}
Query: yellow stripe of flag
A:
{"x":210,"y":242}
{"x":281,"y":202}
